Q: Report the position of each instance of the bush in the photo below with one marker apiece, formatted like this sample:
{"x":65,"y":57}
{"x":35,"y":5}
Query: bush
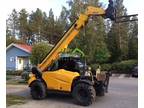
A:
{"x":119,"y":67}
{"x":17,"y":73}
{"x":25,"y":76}
{"x":39,"y":52}
{"x":22,"y":81}
{"x":124,"y":66}
{"x":8,"y":77}
{"x":104,"y":67}
{"x":94,"y":66}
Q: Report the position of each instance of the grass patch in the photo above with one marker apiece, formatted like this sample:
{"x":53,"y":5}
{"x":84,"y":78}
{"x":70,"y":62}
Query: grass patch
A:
{"x":13,"y":82}
{"x":8,"y":77}
{"x":22,"y":81}
{"x":14,"y":100}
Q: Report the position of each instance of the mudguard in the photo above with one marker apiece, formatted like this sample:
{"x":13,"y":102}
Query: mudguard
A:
{"x":85,"y":81}
{"x":31,"y":79}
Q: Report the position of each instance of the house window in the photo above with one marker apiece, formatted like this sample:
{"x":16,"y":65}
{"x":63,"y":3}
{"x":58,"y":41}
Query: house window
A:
{"x":11,"y":59}
{"x":20,"y":61}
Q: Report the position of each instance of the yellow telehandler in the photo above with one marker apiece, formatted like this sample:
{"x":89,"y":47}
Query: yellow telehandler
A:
{"x":65,"y":73}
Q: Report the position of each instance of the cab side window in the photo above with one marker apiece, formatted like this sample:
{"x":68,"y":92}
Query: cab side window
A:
{"x":54,"y":66}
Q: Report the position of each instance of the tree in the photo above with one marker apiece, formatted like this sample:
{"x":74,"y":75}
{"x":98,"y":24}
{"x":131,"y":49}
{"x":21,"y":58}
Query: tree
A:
{"x":113,"y":45}
{"x":92,"y":38}
{"x":39,"y":52}
{"x":23,"y":25}
{"x":58,"y":31}
{"x":36,"y":24}
{"x":133,"y":41}
{"x":8,"y":32}
{"x":12,"y":29}
{"x":13,"y":23}
{"x":44,"y":29}
{"x":50,"y":27}
{"x":60,"y":25}
{"x":117,"y":39}
{"x":10,"y":40}
{"x":63,"y":19}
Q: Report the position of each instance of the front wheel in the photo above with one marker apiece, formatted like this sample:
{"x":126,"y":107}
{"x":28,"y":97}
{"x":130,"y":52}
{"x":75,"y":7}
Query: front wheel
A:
{"x":38,"y":90}
{"x":84,"y":94}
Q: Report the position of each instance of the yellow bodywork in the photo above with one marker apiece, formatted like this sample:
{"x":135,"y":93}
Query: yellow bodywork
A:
{"x":60,"y":80}
{"x":31,"y":79}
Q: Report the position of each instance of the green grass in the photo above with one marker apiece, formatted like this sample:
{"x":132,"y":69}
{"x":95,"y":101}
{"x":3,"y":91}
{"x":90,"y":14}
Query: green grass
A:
{"x":11,"y":79}
{"x":12,"y":82}
{"x":8,"y":77}
{"x":14,"y":100}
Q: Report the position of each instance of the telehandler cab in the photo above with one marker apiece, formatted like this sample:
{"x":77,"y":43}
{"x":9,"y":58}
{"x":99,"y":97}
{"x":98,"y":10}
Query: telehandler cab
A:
{"x":70,"y":74}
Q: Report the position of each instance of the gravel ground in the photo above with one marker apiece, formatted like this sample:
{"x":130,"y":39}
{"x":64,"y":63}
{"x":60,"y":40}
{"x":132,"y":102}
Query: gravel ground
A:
{"x":123,"y":93}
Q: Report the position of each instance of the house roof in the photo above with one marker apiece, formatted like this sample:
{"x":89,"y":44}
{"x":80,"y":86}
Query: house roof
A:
{"x":23,"y":47}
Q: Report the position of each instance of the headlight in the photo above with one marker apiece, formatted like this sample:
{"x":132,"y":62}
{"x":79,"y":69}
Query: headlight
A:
{"x":87,"y":73}
{"x":31,"y":75}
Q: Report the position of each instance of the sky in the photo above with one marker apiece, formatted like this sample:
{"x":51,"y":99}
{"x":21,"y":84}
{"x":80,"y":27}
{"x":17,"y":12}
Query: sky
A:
{"x":56,"y":5}
{"x":32,"y":5}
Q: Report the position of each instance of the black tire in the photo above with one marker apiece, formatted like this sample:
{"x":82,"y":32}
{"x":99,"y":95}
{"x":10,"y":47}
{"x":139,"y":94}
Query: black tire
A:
{"x":84,"y":94}
{"x":100,"y":89}
{"x":100,"y":92}
{"x":38,"y":90}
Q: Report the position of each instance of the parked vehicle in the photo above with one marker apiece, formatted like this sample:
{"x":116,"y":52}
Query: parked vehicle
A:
{"x":135,"y":72}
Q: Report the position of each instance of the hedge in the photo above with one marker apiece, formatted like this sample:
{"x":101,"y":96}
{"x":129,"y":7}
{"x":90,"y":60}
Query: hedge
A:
{"x":118,"y":67}
{"x":104,"y":67}
{"x":25,"y":76}
{"x":124,"y":66}
{"x":17,"y":73}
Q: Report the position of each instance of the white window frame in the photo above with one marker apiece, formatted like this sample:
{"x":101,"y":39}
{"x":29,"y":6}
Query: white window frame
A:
{"x":12,"y":59}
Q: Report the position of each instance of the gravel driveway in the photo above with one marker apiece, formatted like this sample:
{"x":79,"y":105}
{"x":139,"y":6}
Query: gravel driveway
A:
{"x":123,"y":93}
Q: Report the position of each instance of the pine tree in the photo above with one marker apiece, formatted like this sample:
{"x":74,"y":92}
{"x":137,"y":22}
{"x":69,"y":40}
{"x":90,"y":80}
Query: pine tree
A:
{"x":51,"y":28}
{"x":118,"y":35}
{"x":133,"y":41}
{"x":63,"y":18}
{"x":13,"y":23}
{"x":23,"y":25}
{"x":36,"y":24}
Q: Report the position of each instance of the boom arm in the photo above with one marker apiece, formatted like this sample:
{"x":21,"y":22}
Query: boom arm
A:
{"x":64,"y":42}
{"x":70,"y":35}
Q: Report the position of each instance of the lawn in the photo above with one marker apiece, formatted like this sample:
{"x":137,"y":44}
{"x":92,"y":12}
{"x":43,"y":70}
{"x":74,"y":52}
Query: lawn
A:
{"x":14,"y":100}
{"x":16,"y":80}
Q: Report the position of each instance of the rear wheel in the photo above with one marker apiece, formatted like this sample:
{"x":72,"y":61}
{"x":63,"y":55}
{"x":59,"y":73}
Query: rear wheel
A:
{"x":38,"y":90}
{"x":100,"y":89}
{"x":84,"y":94}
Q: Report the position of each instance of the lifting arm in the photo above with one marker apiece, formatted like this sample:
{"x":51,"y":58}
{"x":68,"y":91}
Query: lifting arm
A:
{"x":70,"y":34}
{"x":64,"y":42}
